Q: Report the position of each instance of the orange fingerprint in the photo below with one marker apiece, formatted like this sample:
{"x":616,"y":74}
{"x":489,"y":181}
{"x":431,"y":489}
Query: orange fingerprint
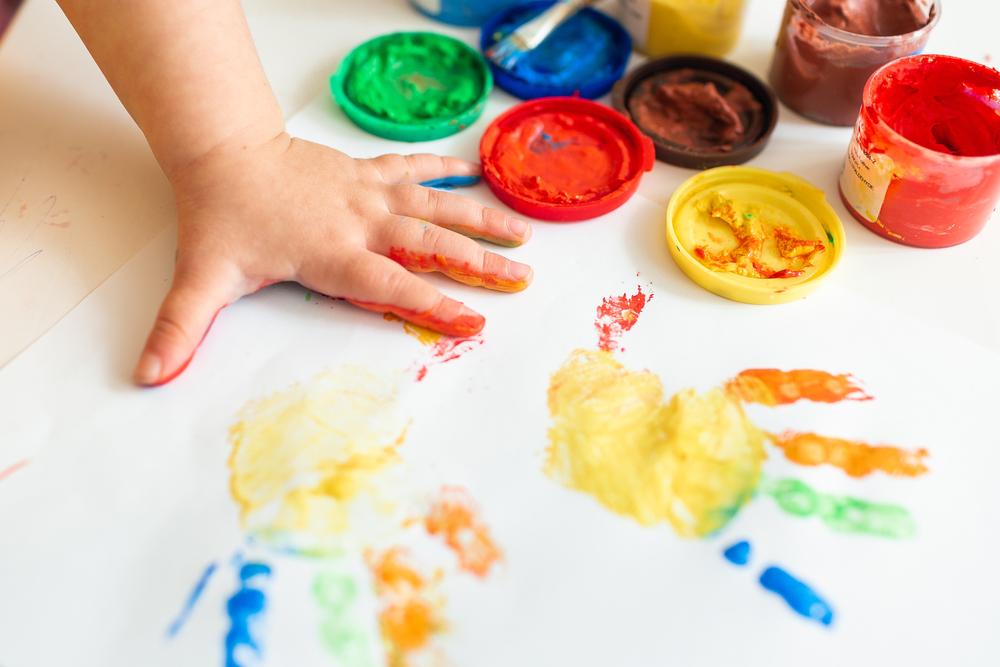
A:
{"x":455,"y":517}
{"x":411,"y":606}
{"x":855,"y":458}
{"x":770,"y":386}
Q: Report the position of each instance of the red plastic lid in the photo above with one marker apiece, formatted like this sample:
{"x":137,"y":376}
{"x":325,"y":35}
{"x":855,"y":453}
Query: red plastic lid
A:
{"x":564,"y":158}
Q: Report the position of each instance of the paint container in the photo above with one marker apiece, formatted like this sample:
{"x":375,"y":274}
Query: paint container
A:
{"x":662,"y":27}
{"x":462,"y":12}
{"x":923,"y":167}
{"x":412,"y":86}
{"x":564,"y":158}
{"x":801,"y":239}
{"x":584,"y":56}
{"x":700,"y":112}
{"x":820,"y":70}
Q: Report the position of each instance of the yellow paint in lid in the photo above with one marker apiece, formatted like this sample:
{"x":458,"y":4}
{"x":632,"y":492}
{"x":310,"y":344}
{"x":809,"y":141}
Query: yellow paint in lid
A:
{"x":754,"y":235}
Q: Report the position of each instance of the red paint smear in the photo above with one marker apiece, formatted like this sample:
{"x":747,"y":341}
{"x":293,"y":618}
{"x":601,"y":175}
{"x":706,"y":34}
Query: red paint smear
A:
{"x":462,"y":272}
{"x":770,"y":386}
{"x":616,"y":315}
{"x":454,"y":516}
{"x":12,"y":469}
{"x":558,"y":158}
{"x":464,"y":325}
{"x":445,"y":350}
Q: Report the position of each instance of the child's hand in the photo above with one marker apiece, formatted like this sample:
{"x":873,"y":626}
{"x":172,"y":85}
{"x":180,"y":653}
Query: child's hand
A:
{"x":251,"y":215}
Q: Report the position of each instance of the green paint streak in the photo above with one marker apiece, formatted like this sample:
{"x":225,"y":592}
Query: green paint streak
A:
{"x":309,"y":296}
{"x":410,"y":78}
{"x":841,"y":513}
{"x":342,"y":634}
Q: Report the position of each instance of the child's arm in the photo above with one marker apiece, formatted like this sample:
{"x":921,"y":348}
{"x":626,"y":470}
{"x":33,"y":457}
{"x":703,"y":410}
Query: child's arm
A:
{"x":255,"y":206}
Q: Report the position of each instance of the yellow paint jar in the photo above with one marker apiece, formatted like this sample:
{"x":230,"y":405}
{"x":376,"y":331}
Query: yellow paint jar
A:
{"x":661,"y":27}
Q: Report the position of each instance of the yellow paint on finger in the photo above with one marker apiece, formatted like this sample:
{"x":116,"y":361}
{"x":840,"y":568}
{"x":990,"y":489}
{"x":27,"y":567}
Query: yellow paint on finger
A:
{"x":304,"y":457}
{"x":693,"y":461}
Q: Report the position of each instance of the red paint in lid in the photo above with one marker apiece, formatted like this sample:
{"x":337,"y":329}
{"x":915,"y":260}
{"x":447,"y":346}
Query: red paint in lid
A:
{"x":564,"y":158}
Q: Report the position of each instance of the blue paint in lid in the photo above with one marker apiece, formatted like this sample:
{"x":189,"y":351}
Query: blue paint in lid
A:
{"x":587,"y":54}
{"x":462,"y":12}
{"x":738,"y":554}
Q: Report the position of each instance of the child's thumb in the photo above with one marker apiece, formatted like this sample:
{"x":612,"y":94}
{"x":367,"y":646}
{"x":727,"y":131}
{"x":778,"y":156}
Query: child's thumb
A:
{"x":182,"y":323}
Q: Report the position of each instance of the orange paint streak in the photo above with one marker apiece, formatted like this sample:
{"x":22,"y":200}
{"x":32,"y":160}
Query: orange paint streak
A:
{"x":463,"y":325}
{"x":769,"y":386}
{"x":4,"y":474}
{"x":463,"y":273}
{"x":410,"y":614}
{"x":455,"y":517}
{"x":615,"y":316}
{"x":857,"y":459}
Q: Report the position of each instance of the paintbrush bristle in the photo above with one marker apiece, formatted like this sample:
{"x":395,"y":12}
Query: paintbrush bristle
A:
{"x":507,"y":51}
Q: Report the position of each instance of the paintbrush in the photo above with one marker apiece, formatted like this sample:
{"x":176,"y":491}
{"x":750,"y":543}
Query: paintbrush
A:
{"x":514,"y":46}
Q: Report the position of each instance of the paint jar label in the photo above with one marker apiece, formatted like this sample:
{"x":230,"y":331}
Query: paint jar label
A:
{"x":432,"y":7}
{"x":865,"y":179}
{"x":634,"y":17}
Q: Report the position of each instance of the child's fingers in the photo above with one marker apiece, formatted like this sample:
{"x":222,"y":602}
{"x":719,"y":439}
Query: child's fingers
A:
{"x":422,"y":167}
{"x":459,"y":214}
{"x":182,"y":323}
{"x":376,"y":283}
{"x":423,"y":247}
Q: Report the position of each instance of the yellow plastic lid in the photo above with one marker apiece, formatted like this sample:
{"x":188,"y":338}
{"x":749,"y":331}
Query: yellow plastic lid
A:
{"x":754,"y":235}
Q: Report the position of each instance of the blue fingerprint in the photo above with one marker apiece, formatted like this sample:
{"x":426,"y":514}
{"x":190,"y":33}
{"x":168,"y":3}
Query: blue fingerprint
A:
{"x":192,"y":599}
{"x":451,"y":182}
{"x":799,"y":596}
{"x":739,"y":553}
{"x":245,"y":608}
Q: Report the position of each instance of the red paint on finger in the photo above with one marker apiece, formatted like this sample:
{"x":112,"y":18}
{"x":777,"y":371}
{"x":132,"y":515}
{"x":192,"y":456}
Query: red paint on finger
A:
{"x":466,"y":324}
{"x":459,"y":271}
{"x":164,"y":380}
{"x":615,"y":316}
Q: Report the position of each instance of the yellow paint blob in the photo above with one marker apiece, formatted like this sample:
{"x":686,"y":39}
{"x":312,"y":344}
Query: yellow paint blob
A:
{"x":693,"y":461}
{"x":423,"y":334}
{"x":302,"y":458}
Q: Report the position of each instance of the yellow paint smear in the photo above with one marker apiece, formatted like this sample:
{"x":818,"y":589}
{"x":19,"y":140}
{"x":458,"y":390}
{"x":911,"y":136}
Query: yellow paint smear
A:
{"x":410,"y":606}
{"x":857,"y":459}
{"x":693,"y":461}
{"x":424,"y":335}
{"x":454,"y":516}
{"x":302,"y":457}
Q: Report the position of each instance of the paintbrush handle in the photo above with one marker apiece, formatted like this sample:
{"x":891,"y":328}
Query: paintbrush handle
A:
{"x":537,"y":29}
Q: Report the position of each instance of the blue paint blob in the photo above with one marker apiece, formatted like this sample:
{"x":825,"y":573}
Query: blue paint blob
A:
{"x":799,"y":596}
{"x":586,"y":54}
{"x":738,"y":554}
{"x":192,"y":599}
{"x":451,"y":182}
{"x":245,"y":608}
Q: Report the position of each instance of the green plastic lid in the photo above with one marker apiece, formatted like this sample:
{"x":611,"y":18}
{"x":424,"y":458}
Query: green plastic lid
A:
{"x":412,"y":86}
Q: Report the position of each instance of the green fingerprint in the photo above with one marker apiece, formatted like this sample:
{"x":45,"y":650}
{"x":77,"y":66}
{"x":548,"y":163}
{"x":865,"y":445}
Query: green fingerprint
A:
{"x":342,"y":633}
{"x":841,"y":513}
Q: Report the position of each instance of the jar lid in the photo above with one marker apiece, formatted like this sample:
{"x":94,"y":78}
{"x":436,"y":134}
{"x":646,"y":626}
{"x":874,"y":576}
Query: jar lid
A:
{"x":564,"y":158}
{"x":702,"y":128}
{"x":412,"y":86}
{"x":584,"y":56}
{"x":753,"y":235}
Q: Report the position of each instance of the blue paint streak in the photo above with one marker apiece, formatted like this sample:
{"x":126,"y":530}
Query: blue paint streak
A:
{"x":192,"y":599}
{"x":244,"y":608}
{"x":451,"y":182}
{"x":738,"y":554}
{"x":580,"y":51}
{"x":799,"y":596}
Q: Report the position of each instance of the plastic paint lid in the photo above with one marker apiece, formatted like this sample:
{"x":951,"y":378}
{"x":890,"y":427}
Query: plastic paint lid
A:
{"x":564,"y":158}
{"x":780,"y":201}
{"x":584,"y":56}
{"x":758,"y":123}
{"x":412,"y":86}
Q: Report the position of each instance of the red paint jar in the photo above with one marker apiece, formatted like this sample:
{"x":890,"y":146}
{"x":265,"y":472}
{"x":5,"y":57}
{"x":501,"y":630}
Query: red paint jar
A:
{"x":819,"y":70}
{"x":564,"y":158}
{"x":923,"y":167}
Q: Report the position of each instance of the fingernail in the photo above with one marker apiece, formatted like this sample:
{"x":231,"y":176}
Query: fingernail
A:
{"x":518,"y":271}
{"x":517,"y":227}
{"x":148,"y":370}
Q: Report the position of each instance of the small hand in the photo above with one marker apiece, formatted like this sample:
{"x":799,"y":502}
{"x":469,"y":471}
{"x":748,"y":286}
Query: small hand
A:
{"x":250,"y":216}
